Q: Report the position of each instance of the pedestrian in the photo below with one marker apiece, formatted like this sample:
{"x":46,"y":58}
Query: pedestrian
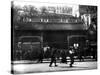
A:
{"x":63,"y":55}
{"x":71,"y":54}
{"x":53,"y":57}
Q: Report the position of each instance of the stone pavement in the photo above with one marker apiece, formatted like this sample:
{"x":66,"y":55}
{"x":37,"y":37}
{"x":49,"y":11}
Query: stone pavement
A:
{"x":44,"y":67}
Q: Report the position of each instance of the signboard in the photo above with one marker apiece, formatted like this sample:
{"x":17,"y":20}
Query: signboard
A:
{"x":60,"y":10}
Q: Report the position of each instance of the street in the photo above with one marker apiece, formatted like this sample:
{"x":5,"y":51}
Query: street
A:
{"x":44,"y":67}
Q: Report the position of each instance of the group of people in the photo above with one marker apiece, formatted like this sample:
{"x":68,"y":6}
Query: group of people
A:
{"x":63,"y":60}
{"x":55,"y":53}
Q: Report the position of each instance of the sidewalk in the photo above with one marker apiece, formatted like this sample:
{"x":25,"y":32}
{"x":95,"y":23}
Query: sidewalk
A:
{"x":46,"y":61}
{"x":44,"y":67}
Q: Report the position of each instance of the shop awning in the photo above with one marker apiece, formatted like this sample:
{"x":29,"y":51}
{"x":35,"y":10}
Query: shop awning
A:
{"x":50,"y":26}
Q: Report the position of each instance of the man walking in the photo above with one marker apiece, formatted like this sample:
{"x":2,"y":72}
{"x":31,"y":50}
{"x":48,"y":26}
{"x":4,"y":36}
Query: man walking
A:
{"x":71,"y":54}
{"x":53,"y":57}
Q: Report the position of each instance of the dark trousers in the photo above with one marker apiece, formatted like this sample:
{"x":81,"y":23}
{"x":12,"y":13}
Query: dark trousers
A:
{"x":53,"y":60}
{"x":64,"y":60}
{"x":71,"y":60}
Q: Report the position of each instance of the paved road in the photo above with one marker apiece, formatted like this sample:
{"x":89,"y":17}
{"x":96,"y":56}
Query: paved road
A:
{"x":44,"y":67}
